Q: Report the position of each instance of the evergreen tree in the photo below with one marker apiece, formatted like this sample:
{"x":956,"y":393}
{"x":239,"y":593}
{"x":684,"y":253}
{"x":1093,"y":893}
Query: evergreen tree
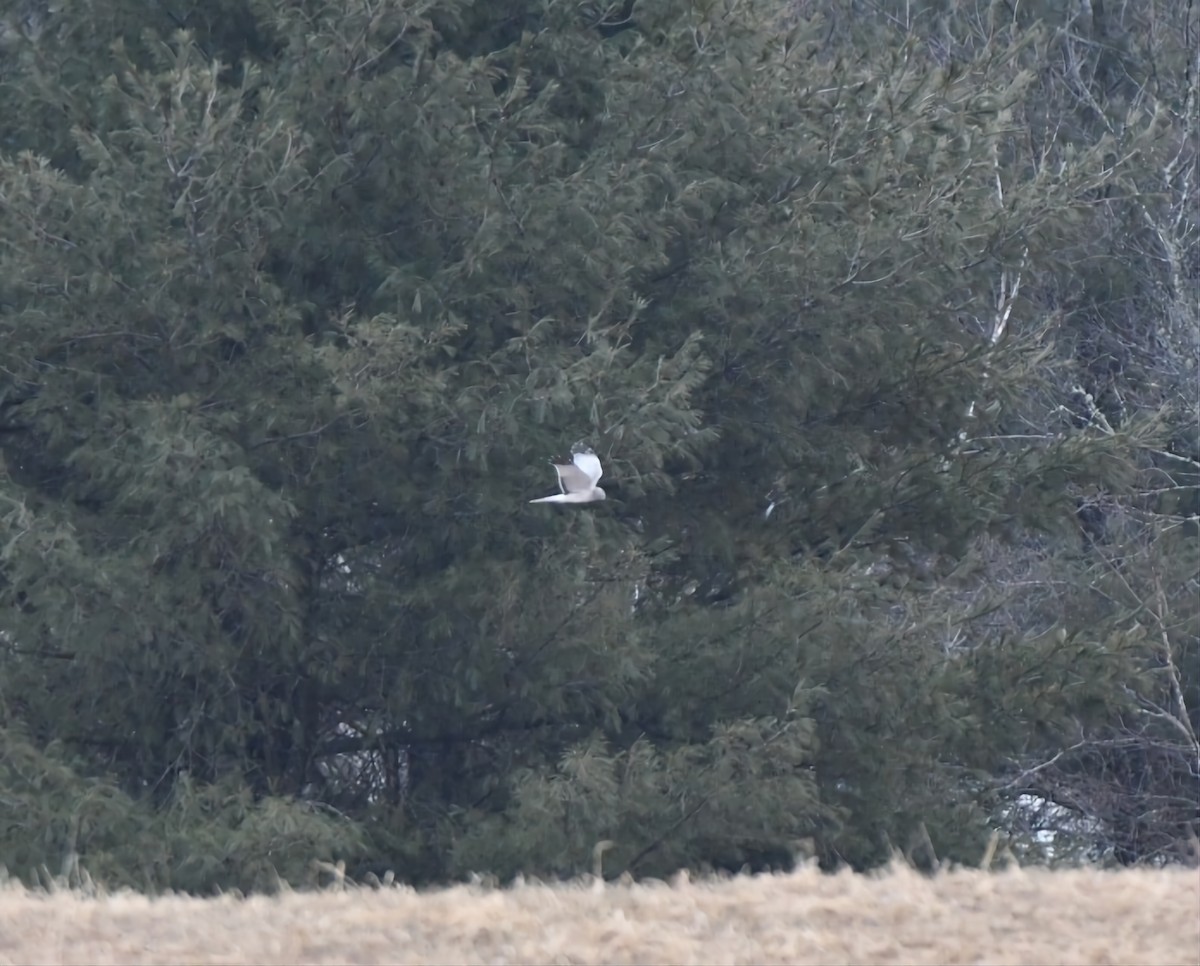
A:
{"x":1122,"y":782}
{"x":296,"y":301}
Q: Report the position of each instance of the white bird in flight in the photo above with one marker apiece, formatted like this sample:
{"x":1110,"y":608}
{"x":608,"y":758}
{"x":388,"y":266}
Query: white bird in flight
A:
{"x":577,"y":480}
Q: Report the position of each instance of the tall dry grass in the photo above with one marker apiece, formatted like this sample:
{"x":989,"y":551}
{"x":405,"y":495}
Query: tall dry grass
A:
{"x":1021,"y":916}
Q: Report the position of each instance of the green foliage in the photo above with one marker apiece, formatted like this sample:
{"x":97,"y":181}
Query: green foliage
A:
{"x":58,"y":822}
{"x":220,"y":835}
{"x":659,"y":811}
{"x":297,"y":299}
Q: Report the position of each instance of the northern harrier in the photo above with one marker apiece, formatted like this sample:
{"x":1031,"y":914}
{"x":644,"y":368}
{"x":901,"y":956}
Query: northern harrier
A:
{"x":577,"y":480}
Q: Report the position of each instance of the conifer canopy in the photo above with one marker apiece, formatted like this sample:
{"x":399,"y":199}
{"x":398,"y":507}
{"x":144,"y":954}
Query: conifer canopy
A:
{"x":879,"y":331}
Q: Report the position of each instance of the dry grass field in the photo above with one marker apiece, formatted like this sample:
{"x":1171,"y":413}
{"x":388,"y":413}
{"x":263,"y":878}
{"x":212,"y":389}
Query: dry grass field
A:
{"x":1022,"y":917}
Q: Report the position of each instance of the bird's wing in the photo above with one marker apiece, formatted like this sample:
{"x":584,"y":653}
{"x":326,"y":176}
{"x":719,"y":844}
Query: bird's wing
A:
{"x":554,"y":498}
{"x":572,"y":479}
{"x":589,"y":464}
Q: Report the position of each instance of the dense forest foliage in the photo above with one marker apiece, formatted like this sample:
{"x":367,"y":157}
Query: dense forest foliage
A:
{"x":882,"y":319}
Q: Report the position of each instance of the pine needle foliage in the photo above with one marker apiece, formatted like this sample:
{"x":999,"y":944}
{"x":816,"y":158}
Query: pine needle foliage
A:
{"x":297,"y":300}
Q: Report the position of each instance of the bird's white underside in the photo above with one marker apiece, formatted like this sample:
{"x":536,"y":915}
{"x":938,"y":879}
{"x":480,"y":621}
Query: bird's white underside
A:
{"x":577,"y":480}
{"x":590,"y":496}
